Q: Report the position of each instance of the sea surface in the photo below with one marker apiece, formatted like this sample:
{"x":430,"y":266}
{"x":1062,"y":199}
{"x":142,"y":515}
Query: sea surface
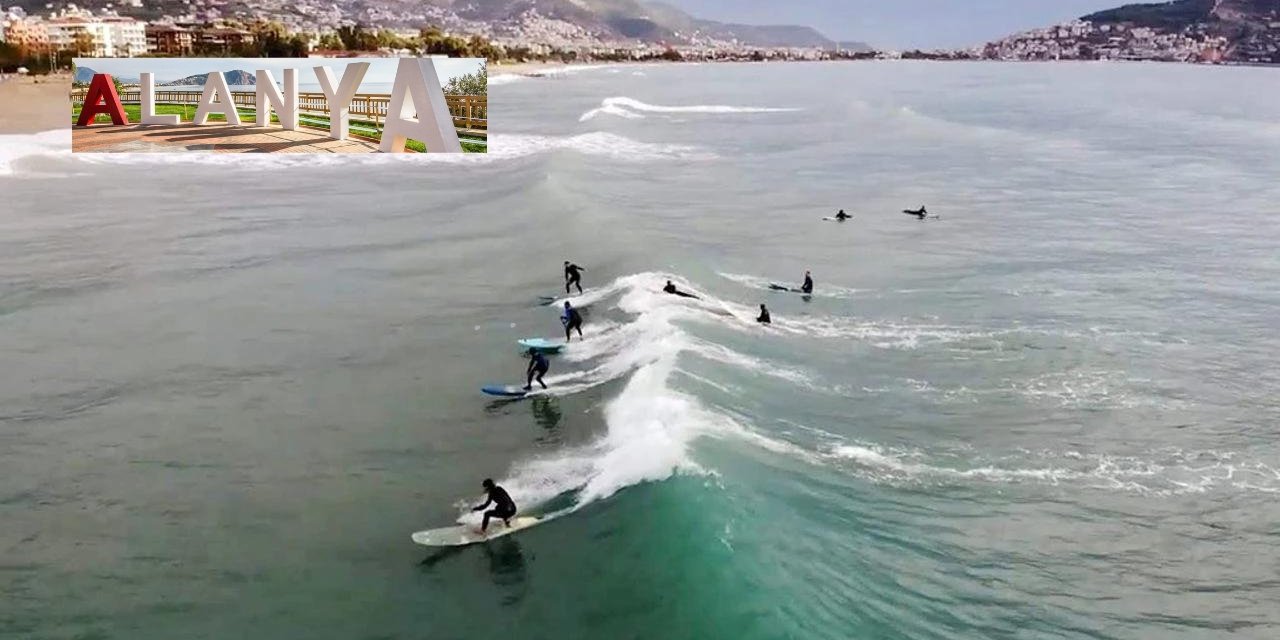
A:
{"x":233,"y":387}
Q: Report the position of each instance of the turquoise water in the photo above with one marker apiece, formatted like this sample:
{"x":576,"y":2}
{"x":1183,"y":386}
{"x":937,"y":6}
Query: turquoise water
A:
{"x":236,"y":386}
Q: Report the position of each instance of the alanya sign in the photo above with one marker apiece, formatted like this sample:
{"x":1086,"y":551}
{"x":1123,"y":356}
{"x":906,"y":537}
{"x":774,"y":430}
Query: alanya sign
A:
{"x":417,"y":109}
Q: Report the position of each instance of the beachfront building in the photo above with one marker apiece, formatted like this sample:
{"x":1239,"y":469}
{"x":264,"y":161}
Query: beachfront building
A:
{"x":22,"y":32}
{"x":98,"y":37}
{"x":169,"y":40}
{"x":219,"y":39}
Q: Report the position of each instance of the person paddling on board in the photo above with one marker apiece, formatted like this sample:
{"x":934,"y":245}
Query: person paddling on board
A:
{"x":572,"y":276}
{"x":503,"y":506}
{"x":538,"y":366}
{"x":764,"y":316}
{"x":842,"y":216}
{"x":919,"y":213}
{"x":807,"y":287}
{"x":571,"y":320}
{"x":671,"y":288}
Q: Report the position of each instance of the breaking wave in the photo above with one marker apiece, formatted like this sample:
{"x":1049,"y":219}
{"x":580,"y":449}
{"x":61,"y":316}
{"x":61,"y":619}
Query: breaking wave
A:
{"x":631,"y":108}
{"x":502,"y":148}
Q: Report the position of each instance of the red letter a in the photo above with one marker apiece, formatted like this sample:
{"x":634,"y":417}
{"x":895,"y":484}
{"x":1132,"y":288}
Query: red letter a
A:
{"x":102,"y":89}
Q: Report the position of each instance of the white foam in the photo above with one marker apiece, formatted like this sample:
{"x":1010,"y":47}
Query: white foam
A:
{"x":502,"y":148}
{"x":625,"y":107}
{"x":47,"y":143}
{"x":1159,"y":473}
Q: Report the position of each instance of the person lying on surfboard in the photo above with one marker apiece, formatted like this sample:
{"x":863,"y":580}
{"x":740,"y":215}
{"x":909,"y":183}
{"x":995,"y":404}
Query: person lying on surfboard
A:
{"x":764,"y":316}
{"x":538,"y":366}
{"x":842,"y":216}
{"x":671,"y":288}
{"x":919,"y":213}
{"x":503,"y":506}
{"x":572,"y":276}
{"x":571,"y":320}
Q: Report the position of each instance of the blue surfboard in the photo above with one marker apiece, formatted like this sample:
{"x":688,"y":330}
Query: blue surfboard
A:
{"x":504,"y":390}
{"x":541,"y":344}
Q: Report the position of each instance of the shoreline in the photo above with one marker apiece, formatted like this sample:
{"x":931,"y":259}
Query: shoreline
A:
{"x":34,"y":104}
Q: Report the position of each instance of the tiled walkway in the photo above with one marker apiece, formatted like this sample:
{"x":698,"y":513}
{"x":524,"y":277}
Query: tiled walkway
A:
{"x":219,"y":138}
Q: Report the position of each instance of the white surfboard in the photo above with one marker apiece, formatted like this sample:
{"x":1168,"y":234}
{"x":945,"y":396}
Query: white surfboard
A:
{"x":462,"y":535}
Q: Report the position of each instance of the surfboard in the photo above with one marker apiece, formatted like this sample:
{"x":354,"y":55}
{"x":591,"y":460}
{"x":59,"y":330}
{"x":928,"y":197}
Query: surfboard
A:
{"x":778,"y":287}
{"x":541,"y":344}
{"x":462,"y":535}
{"x":547,"y":299}
{"x":831,"y":219}
{"x":506,"y":391}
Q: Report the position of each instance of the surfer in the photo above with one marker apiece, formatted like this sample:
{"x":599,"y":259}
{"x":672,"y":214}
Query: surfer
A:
{"x":807,"y":287}
{"x":503,"y":506}
{"x":919,"y":213}
{"x":538,"y":366}
{"x":572,"y":276}
{"x":571,"y":320}
{"x":671,"y":288}
{"x":764,"y":315}
{"x":842,"y":216}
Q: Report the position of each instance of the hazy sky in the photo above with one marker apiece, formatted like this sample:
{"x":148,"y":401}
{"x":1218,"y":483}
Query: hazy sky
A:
{"x":901,"y":23}
{"x":167,"y":69}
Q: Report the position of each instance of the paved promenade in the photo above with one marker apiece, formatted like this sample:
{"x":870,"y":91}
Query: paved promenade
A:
{"x":219,"y":138}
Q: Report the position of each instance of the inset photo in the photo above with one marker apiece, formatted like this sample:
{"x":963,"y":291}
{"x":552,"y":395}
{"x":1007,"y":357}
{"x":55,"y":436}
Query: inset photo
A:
{"x":280,"y":105}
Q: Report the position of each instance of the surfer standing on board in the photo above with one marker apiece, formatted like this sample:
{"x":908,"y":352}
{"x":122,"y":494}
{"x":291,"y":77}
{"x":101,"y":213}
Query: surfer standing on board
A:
{"x":572,"y":276}
{"x":503,"y":506}
{"x":571,"y":320}
{"x":538,"y":366}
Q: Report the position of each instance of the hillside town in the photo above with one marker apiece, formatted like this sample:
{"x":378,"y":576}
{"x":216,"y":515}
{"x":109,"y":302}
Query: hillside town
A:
{"x":1086,"y":40}
{"x":53,"y":39}
{"x":42,"y":43}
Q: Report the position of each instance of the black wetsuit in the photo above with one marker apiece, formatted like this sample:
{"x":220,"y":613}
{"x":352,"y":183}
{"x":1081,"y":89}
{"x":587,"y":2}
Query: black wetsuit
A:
{"x":919,"y":213}
{"x":764,"y":317}
{"x":807,"y":287}
{"x":842,"y":216}
{"x":572,"y":277}
{"x":572,"y":320}
{"x":538,"y":366}
{"x":503,"y":506}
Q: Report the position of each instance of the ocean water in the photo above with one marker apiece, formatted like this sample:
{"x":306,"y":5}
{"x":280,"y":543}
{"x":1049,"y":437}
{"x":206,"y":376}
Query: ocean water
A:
{"x":233,"y":387}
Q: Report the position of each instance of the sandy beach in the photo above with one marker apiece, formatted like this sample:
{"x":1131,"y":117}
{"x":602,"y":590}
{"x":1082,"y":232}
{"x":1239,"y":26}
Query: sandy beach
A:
{"x":34,"y":103}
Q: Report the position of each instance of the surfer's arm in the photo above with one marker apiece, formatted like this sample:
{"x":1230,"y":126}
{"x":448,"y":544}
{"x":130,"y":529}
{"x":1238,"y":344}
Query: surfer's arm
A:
{"x":486,"y":503}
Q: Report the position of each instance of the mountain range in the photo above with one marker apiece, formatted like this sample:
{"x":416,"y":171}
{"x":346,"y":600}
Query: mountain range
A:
{"x":85,"y":74}
{"x":234,"y":78}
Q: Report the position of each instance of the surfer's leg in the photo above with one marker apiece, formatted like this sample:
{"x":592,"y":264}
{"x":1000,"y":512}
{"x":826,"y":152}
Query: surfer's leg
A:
{"x":485,"y":523}
{"x":578,"y":283}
